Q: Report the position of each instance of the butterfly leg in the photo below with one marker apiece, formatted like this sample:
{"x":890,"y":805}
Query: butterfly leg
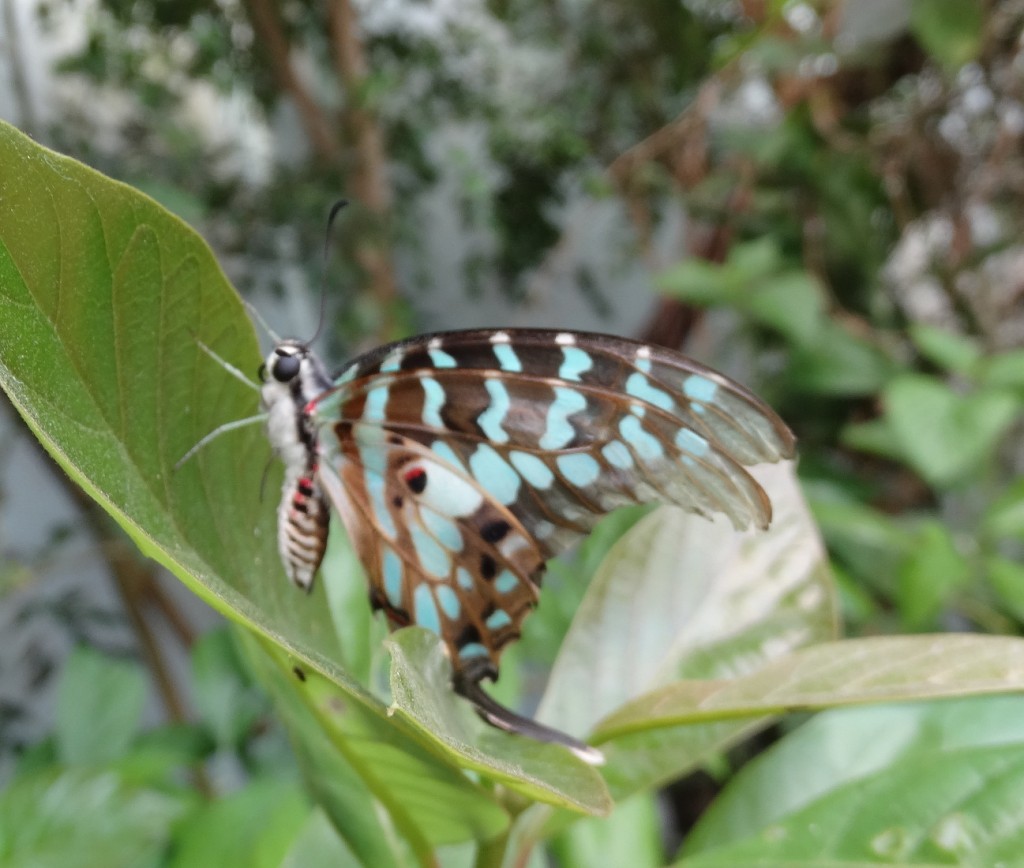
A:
{"x":497,"y":715}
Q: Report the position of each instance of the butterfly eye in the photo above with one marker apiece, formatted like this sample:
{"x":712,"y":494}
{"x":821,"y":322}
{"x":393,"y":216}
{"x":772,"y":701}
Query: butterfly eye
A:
{"x":285,"y":368}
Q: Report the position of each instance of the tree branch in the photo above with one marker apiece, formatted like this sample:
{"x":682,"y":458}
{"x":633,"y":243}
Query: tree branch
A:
{"x":271,"y":35}
{"x":370,"y":184}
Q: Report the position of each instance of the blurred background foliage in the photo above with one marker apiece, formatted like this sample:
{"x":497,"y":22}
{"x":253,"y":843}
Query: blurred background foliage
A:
{"x":827,"y":196}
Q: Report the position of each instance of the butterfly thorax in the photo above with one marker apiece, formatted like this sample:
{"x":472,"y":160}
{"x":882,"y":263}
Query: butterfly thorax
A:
{"x":292,"y":376}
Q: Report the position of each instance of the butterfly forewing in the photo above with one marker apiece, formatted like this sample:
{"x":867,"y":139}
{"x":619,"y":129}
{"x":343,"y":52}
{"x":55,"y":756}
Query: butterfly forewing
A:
{"x":461,"y":462}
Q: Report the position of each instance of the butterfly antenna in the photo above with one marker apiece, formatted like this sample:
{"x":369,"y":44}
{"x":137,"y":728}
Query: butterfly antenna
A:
{"x":331,"y":216}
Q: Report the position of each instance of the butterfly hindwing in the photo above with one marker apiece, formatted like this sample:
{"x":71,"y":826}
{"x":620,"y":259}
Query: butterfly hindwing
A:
{"x":438,"y":550}
{"x":431,"y":446}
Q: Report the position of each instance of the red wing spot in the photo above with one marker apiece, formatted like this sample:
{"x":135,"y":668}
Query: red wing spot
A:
{"x":416,"y":479}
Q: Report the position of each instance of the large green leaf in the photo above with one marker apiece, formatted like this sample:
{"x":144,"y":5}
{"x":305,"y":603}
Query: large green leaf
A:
{"x":926,"y":784}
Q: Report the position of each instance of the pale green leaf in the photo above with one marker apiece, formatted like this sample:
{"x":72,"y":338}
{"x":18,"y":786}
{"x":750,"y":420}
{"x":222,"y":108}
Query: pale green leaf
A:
{"x":851,"y":672}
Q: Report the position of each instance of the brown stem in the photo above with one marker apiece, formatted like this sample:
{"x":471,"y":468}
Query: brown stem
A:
{"x":369,"y":178}
{"x":272,"y":37}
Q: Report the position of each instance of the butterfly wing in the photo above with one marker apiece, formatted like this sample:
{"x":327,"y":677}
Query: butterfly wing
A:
{"x":463,"y":461}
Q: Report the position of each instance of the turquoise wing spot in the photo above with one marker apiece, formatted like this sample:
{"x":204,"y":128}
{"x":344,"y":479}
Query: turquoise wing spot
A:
{"x":374,"y":459}
{"x":616,"y":454}
{"x":558,"y":430}
{"x":490,"y":420}
{"x":495,"y":474}
{"x":376,"y":402}
{"x":433,"y":401}
{"x":375,"y":488}
{"x":690,"y":441}
{"x":575,"y":362}
{"x":393,"y":362}
{"x":425,"y":610}
{"x":464,"y":579}
{"x":507,"y":358}
{"x":698,"y":388}
{"x":448,"y":493}
{"x":640,"y":387}
{"x":645,"y":445}
{"x":473,"y":649}
{"x":393,"y":577}
{"x":446,"y":532}
{"x":347,"y":375}
{"x":433,"y":558}
{"x":506,"y":582}
{"x":580,"y":469}
{"x":498,"y":619}
{"x":643,"y":364}
{"x":532,"y":469}
{"x":448,"y":600}
{"x":440,"y":359}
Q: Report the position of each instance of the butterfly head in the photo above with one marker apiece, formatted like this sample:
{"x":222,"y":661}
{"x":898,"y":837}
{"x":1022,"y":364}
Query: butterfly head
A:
{"x":292,"y":369}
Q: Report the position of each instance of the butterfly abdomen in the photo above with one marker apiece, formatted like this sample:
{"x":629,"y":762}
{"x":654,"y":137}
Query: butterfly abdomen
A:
{"x":302,"y":526}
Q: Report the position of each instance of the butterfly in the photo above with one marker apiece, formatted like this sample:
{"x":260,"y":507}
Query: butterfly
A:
{"x":461,"y":462}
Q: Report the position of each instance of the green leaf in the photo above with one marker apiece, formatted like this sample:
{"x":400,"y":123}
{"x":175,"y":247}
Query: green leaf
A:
{"x":876,"y":436}
{"x":934,"y":571}
{"x":99,"y":707}
{"x":851,"y":672}
{"x":681,"y":595}
{"x":697,"y":281}
{"x":791,"y":303}
{"x":420,"y":675}
{"x":251,"y":828}
{"x":102,"y":297}
{"x":950,"y":351}
{"x":839,"y":363}
{"x":756,"y":281}
{"x":950,"y":30}
{"x":945,"y":435}
{"x":935,"y":783}
{"x":80,"y":819}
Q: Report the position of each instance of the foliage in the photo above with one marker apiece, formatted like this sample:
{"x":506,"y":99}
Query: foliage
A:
{"x":865,"y":180}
